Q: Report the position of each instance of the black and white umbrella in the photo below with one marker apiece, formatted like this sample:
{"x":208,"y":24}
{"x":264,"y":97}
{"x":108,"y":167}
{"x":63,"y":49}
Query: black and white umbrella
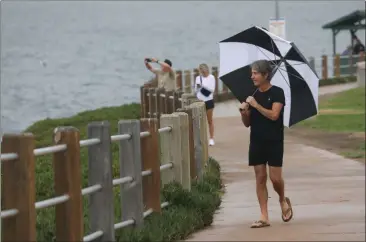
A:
{"x":291,"y":72}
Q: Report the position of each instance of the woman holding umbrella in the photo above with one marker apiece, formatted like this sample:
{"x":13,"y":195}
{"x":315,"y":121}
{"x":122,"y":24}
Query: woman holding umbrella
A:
{"x":205,"y":86}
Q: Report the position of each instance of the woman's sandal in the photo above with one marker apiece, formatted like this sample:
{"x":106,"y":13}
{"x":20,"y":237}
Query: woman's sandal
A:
{"x":283,"y":215}
{"x":260,"y":224}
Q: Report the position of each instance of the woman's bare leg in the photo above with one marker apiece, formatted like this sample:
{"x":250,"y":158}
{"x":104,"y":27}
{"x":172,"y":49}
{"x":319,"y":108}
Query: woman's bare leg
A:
{"x":210,"y":122}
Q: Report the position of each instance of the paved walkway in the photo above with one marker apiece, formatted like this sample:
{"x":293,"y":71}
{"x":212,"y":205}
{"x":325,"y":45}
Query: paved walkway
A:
{"x":327,"y":191}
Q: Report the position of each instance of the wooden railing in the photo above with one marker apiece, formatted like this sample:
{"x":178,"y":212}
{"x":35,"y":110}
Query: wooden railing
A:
{"x":155,"y":101}
{"x":152,"y":152}
{"x":336,"y":66}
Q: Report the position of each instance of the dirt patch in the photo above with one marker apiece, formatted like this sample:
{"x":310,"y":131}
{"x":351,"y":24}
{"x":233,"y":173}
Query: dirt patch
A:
{"x":340,"y":143}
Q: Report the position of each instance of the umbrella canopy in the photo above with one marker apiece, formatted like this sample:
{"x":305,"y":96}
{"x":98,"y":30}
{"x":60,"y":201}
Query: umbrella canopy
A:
{"x":291,"y":71}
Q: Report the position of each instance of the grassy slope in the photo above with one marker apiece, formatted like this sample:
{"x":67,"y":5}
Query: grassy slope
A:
{"x":176,"y":222}
{"x":352,"y":100}
{"x":43,"y":131}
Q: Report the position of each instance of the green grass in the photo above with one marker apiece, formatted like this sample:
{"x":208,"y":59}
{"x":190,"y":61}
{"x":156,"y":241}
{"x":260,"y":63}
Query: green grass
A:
{"x":176,"y":221}
{"x":43,"y":129}
{"x":337,"y":122}
{"x":352,"y":100}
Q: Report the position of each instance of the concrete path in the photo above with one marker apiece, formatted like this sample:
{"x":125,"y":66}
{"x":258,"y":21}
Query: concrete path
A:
{"x":327,"y":192}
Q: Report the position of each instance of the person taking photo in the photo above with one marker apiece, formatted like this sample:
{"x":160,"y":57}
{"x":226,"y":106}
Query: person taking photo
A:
{"x":166,"y":76}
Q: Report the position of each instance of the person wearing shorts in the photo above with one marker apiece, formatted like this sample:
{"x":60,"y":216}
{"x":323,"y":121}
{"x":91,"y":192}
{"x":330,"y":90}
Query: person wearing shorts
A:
{"x":205,"y":85}
{"x":263,"y":113}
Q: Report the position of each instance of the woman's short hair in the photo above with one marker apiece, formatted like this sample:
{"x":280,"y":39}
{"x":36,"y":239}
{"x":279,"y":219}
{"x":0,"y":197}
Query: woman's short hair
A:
{"x":263,"y":67}
{"x":204,"y":67}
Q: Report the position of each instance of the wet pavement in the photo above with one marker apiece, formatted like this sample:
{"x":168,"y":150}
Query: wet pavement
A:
{"x":327,"y":192}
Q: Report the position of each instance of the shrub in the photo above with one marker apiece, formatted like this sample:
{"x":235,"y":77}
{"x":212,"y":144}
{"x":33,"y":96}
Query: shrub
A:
{"x":187,"y":212}
{"x":337,"y":80}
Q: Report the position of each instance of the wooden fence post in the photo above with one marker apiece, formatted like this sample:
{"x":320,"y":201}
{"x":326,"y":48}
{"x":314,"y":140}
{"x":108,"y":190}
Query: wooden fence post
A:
{"x":324,"y":67}
{"x":175,"y":154}
{"x":165,"y":150}
{"x":185,"y":99}
{"x":67,"y":169}
{"x":179,"y":79}
{"x":187,"y":81}
{"x":203,"y":129}
{"x":145,"y":103}
{"x":195,"y":74}
{"x":185,"y":155}
{"x":336,"y":66}
{"x":162,"y":101}
{"x":101,"y":206}
{"x":158,"y":105}
{"x":177,"y":102}
{"x":361,"y":57}
{"x":142,"y":101}
{"x":151,"y":103}
{"x":151,"y":161}
{"x":154,"y":103}
{"x":224,"y":94}
{"x":198,"y":155}
{"x":132,"y":206}
{"x":18,"y":188}
{"x":192,"y":164}
{"x":350,"y":65}
{"x":170,"y":102}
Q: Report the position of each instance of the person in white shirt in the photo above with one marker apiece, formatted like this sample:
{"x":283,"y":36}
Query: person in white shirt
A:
{"x":204,"y":87}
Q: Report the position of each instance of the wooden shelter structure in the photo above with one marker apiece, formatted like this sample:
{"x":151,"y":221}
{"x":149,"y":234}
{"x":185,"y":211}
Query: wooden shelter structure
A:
{"x":352,"y":22}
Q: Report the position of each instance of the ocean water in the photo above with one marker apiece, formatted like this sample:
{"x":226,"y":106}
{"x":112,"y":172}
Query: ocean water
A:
{"x":62,"y":57}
